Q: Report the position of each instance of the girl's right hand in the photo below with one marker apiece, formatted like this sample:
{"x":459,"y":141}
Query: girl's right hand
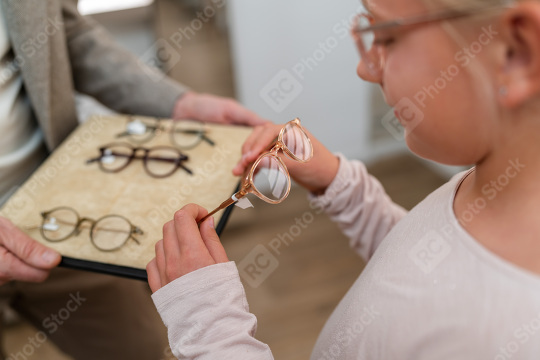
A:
{"x":315,"y":175}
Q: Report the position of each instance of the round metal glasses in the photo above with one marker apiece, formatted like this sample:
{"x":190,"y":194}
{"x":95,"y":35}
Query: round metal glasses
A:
{"x":107,"y":233}
{"x":184,"y":134}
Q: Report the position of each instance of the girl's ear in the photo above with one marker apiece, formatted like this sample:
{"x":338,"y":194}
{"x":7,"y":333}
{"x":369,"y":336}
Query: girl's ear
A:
{"x":520,"y":73}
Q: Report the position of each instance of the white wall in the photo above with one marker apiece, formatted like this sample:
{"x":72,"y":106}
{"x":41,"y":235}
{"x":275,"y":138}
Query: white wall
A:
{"x":302,"y":50}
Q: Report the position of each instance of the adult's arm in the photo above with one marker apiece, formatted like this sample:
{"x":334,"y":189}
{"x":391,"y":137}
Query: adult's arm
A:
{"x":104,"y":70}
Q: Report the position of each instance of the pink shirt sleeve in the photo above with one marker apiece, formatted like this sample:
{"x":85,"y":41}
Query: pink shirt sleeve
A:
{"x":357,"y":202}
{"x":207,"y":316}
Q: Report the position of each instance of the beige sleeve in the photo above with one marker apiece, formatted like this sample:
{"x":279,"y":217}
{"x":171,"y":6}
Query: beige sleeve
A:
{"x":111,"y":74}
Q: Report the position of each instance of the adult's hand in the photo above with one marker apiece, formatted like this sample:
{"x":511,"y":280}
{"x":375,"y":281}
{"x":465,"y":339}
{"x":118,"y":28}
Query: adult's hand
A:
{"x":214,"y":109}
{"x":21,"y":257}
{"x":185,"y":247}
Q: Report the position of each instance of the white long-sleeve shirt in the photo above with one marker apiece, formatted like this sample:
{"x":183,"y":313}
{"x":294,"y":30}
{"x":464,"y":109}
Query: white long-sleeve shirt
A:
{"x":21,"y":140}
{"x":429,"y":290}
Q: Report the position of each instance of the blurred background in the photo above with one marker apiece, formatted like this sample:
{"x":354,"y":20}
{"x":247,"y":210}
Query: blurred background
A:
{"x":282,"y":59}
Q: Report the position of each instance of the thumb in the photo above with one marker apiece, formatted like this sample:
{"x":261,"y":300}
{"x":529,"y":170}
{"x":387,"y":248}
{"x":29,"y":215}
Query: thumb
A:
{"x":212,"y":242}
{"x":27,"y":249}
{"x":38,"y":255}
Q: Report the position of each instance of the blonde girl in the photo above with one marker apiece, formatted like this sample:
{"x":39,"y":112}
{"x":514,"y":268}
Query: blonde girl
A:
{"x":457,"y":277}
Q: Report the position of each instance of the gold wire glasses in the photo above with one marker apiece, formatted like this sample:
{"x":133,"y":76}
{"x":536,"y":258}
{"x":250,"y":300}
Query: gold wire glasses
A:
{"x":185,"y":134}
{"x":158,"y":161}
{"x":107,"y":233}
{"x":371,"y":37}
{"x":268,"y":177}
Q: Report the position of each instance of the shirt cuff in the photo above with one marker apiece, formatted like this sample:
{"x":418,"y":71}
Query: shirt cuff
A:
{"x":194,"y":282}
{"x":340,"y":182}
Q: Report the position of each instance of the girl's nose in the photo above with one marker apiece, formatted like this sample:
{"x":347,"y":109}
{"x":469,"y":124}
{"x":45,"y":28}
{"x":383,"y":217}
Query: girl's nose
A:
{"x":368,"y":74}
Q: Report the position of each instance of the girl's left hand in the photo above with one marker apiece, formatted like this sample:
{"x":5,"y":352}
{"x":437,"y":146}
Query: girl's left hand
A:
{"x":185,"y":247}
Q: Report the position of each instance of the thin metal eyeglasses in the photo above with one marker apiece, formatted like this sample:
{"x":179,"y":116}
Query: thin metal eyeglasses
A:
{"x":268,"y":177}
{"x":107,"y":233}
{"x":185,"y":134}
{"x":158,"y":161}
{"x":371,"y":39}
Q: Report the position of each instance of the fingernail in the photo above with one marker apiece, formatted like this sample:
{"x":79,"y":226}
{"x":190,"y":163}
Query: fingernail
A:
{"x":211,"y":222}
{"x":50,"y":257}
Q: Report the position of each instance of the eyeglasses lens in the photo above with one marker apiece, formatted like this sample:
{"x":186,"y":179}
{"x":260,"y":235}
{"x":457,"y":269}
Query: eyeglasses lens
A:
{"x":297,"y":142}
{"x":187,"y":134}
{"x":271,"y":179}
{"x":115,"y":157}
{"x":110,"y":232}
{"x":162,"y":161}
{"x":141,"y":130}
{"x":59,"y":224}
{"x":367,"y":37}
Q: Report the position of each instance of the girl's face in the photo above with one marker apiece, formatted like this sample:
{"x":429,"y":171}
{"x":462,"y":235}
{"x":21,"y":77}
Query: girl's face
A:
{"x":442,"y":92}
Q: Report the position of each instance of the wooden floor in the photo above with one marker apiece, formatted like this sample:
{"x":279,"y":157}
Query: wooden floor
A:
{"x":316,"y":268}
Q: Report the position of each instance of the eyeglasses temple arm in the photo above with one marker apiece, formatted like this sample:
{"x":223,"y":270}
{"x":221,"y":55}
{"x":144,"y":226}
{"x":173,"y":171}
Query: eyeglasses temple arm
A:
{"x":223,"y":205}
{"x":135,"y":239}
{"x":31,"y":227}
{"x":89,"y":161}
{"x":207,"y":139}
{"x":125,"y":133}
{"x":196,"y":132}
{"x":186,"y":169}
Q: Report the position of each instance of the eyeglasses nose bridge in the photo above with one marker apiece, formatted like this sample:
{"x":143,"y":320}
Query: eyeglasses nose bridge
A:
{"x":139,"y":149}
{"x":275,"y":149}
{"x":78,"y":227}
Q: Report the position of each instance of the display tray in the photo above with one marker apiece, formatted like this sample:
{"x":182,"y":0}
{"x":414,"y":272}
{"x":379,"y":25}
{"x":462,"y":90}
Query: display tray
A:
{"x":65,"y":179}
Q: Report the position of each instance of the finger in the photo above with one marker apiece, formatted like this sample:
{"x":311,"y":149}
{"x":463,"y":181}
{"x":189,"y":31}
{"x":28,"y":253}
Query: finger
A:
{"x":161,"y":264}
{"x":195,"y":255}
{"x":255,"y":144}
{"x":212,"y":242}
{"x":240,"y":167}
{"x":171,"y":248}
{"x":25,"y":248}
{"x":239,"y":115}
{"x":253,"y":138}
{"x":187,"y":230}
{"x":264,"y":139}
{"x":152,"y":271}
{"x":13,"y":268}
